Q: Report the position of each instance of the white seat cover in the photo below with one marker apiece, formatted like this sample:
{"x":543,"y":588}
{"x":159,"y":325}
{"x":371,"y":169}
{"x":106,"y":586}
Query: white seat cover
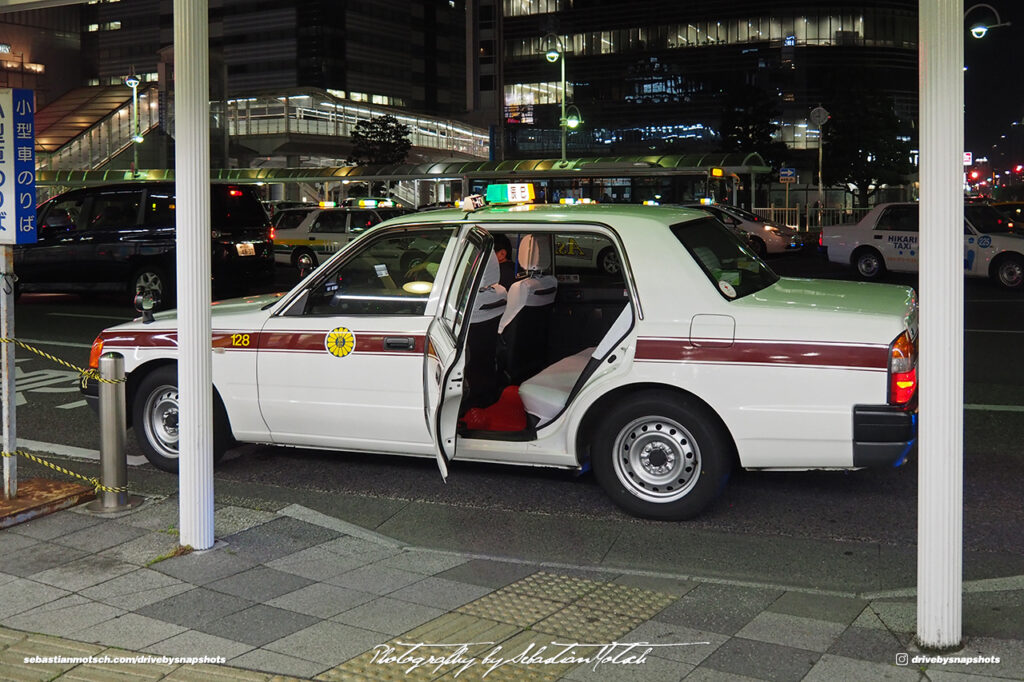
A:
{"x":545,"y":394}
{"x":536,"y":289}
{"x":491,"y":298}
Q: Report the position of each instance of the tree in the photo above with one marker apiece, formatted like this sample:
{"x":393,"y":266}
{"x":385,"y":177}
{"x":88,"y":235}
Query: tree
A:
{"x":748,"y":121}
{"x":866,"y":143}
{"x":380,"y":140}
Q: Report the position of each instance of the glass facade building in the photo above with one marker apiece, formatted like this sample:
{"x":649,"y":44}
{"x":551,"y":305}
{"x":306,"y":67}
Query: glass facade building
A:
{"x":651,"y":76}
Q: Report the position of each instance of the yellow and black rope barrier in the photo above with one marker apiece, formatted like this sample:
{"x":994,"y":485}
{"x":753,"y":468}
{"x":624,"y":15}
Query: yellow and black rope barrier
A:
{"x":87,"y":374}
{"x":91,"y":480}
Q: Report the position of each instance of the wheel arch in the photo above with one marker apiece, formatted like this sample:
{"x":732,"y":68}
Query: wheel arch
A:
{"x":599,"y":408}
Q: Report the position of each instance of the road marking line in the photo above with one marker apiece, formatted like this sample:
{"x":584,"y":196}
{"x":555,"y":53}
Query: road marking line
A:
{"x":70,"y":406}
{"x":44,"y":342}
{"x":37,"y":446}
{"x":94,"y":317}
{"x":995,"y":408}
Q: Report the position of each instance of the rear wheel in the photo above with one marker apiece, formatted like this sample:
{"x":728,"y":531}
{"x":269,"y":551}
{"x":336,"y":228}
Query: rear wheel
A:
{"x":152,"y":278}
{"x":869,"y":264}
{"x":155,"y":420}
{"x":411,"y":259}
{"x":1009,"y":271}
{"x":662,"y":456}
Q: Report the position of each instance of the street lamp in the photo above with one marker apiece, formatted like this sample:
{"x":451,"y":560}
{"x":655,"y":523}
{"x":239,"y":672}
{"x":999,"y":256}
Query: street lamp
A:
{"x":557,"y":54}
{"x":980,"y":28}
{"x":133,"y":81}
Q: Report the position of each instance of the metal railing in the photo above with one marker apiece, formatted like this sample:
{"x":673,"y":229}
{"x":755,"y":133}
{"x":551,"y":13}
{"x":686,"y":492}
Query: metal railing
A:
{"x":112,"y":135}
{"x":810,"y":217}
{"x":313,"y":115}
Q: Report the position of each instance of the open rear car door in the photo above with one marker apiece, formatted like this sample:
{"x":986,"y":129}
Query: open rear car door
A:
{"x":445,"y":353}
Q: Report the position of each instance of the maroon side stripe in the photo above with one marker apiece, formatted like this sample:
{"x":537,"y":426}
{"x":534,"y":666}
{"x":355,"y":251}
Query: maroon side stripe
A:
{"x":808,"y":353}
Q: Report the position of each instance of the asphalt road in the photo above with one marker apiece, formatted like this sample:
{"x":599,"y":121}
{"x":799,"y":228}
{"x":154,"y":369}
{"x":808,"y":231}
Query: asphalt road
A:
{"x":869,"y":506}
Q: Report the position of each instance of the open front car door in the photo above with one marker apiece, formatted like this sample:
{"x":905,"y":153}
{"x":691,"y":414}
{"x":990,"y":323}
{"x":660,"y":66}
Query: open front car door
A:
{"x":445,"y":353}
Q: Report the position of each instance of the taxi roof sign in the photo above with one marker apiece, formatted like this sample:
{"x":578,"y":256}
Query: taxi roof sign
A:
{"x":516,"y":193}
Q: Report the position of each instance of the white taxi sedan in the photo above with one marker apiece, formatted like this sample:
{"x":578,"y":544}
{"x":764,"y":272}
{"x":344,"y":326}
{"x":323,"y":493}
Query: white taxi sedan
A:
{"x":886,"y":239}
{"x":689,"y":360}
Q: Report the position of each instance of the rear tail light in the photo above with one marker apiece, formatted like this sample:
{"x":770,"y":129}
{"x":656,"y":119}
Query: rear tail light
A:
{"x":234,"y":192}
{"x":821,"y":239}
{"x":273,"y":233}
{"x":95,"y":352}
{"x":902,"y":369}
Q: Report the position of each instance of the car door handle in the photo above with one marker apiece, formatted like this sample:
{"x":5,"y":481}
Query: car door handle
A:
{"x":878,"y":236}
{"x":399,"y":343}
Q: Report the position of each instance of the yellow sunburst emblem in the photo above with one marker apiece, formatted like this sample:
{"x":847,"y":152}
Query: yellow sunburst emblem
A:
{"x":340,"y":342}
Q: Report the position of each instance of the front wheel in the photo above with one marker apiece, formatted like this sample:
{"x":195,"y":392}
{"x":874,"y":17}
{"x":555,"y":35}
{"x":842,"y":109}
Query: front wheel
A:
{"x":869,"y":264}
{"x":155,"y":419}
{"x":305,"y":261}
{"x":151,"y":278}
{"x":1009,"y":271}
{"x":760,"y":248}
{"x":662,"y":456}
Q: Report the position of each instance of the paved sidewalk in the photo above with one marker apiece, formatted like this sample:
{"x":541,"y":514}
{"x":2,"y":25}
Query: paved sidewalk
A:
{"x":294,"y":593}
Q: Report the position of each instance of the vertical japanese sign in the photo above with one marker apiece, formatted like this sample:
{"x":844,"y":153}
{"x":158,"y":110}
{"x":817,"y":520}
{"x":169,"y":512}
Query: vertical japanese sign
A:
{"x":17,"y":167}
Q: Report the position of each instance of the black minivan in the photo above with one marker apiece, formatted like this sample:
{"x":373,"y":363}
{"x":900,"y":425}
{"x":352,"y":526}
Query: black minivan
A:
{"x":120,"y":237}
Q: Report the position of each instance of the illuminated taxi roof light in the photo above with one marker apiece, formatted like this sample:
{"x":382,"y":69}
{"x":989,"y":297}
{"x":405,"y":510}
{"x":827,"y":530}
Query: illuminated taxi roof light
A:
{"x":651,"y":202}
{"x":367,"y":203}
{"x":717,"y":172}
{"x":516,"y":193}
{"x":706,"y":201}
{"x":327,"y":204}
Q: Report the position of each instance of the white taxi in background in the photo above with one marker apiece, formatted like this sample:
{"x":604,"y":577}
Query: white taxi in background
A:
{"x":693,"y":358}
{"x":886,"y":238}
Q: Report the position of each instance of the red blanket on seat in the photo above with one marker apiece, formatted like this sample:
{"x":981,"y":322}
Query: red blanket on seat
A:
{"x":505,"y":415}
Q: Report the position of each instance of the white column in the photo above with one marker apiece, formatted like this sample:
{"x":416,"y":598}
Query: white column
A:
{"x":940,"y":466}
{"x":192,"y":180}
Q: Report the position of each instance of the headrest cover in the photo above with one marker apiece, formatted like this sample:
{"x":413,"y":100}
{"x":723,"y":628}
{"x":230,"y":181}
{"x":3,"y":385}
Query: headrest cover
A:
{"x":534,"y":254}
{"x":492,"y":272}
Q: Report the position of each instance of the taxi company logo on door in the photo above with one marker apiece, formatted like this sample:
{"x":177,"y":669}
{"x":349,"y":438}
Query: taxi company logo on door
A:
{"x":340,"y":342}
{"x":903,"y":240}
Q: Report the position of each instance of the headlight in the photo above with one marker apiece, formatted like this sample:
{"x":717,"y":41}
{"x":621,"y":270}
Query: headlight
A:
{"x":772,"y":228}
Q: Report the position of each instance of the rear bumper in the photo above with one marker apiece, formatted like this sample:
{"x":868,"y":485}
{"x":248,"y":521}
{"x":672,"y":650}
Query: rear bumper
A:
{"x":883,"y":435}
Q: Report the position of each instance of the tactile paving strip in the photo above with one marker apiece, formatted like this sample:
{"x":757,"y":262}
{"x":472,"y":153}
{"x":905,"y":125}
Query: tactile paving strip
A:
{"x":537,"y":611}
{"x":582,"y":624}
{"x":508,"y":606}
{"x":555,"y":587}
{"x":626,"y":601}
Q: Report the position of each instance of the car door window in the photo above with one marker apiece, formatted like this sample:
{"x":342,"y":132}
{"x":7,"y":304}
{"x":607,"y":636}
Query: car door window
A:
{"x":898,"y":219}
{"x":331,"y":222}
{"x":159,"y":209}
{"x":63,"y":215}
{"x":377,"y":280}
{"x":457,"y":301}
{"x":585,"y":257}
{"x":115,"y":210}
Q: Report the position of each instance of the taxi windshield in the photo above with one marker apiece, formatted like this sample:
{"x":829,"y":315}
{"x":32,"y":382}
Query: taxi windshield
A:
{"x":731,"y":265}
{"x":987,"y":219}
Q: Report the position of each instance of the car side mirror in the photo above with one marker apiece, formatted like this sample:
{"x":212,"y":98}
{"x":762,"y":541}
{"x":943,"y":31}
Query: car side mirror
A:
{"x":147,"y":301}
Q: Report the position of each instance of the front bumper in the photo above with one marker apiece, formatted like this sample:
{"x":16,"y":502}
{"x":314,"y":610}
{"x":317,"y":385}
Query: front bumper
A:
{"x":883,"y":435}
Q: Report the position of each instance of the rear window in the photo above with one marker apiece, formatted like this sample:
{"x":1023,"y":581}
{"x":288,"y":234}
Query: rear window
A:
{"x":290,"y":219}
{"x":236,"y":208}
{"x":729,"y":263}
{"x":987,"y":219}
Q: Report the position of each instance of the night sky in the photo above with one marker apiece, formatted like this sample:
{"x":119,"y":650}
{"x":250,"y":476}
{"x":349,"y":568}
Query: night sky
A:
{"x":994,"y":79}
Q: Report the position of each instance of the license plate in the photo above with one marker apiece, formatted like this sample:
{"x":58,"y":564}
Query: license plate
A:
{"x":245,"y":249}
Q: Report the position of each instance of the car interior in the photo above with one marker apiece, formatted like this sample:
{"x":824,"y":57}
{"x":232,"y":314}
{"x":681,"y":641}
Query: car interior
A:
{"x":536,"y":338}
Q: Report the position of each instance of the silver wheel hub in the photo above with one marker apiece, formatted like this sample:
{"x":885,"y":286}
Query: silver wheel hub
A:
{"x":161,"y":420}
{"x":656,"y":459}
{"x":1010,"y":273}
